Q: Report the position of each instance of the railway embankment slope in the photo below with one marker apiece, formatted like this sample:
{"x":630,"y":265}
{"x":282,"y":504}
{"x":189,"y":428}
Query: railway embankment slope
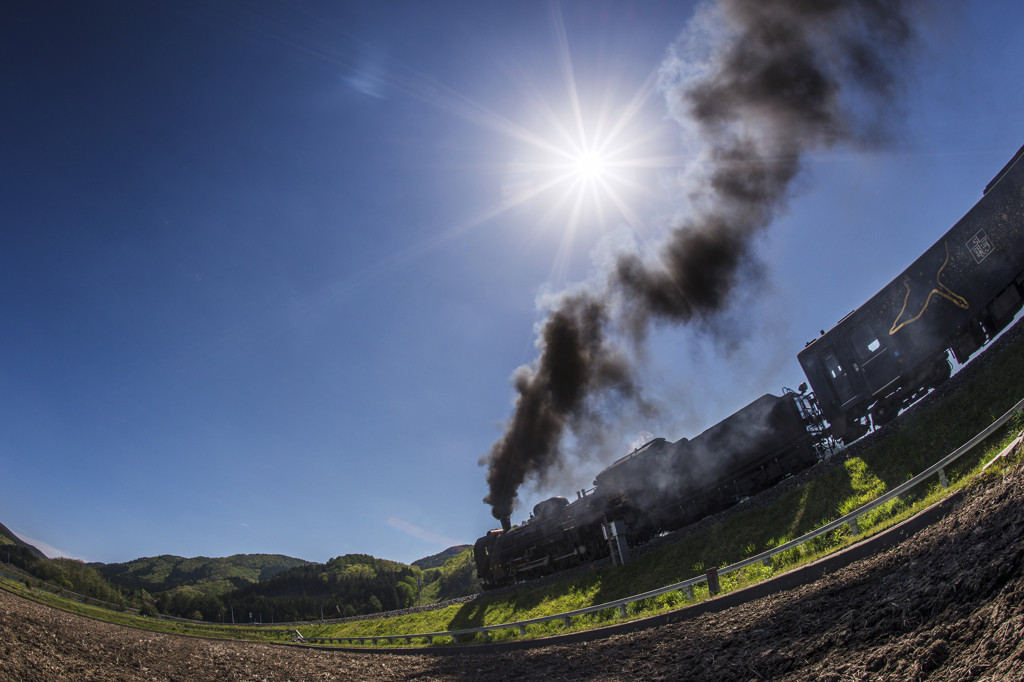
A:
{"x":969,"y":402}
{"x":948,"y":604}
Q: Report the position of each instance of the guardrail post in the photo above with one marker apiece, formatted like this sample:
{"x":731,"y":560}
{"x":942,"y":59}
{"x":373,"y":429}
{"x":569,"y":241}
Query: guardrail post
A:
{"x":567,"y":621}
{"x":712,"y":576}
{"x":766,"y":562}
{"x":713,"y":586}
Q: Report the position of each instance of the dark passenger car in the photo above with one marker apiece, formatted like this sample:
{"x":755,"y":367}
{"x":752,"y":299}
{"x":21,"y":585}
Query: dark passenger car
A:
{"x":964,"y":289}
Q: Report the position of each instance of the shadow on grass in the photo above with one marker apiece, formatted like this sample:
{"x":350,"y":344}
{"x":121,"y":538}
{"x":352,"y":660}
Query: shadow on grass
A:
{"x":523,"y":604}
{"x":919,"y":441}
{"x":471,"y":615}
{"x":922,"y":440}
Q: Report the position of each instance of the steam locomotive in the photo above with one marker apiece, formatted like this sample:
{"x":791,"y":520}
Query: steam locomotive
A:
{"x":874,"y":362}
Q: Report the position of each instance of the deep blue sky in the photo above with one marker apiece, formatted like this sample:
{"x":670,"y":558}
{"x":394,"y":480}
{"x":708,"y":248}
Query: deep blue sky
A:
{"x":264,"y":276}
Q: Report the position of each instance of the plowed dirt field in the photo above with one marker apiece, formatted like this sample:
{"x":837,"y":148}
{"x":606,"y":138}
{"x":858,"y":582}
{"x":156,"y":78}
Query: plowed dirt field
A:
{"x":948,"y":604}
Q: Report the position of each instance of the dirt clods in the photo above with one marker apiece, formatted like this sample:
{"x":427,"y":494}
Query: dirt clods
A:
{"x":947,"y":604}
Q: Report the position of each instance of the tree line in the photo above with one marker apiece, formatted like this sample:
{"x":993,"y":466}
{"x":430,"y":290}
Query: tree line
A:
{"x":349,"y":585}
{"x":70,"y":574}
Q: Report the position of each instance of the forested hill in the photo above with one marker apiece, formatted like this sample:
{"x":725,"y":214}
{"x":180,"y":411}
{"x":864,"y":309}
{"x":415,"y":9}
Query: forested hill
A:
{"x":211,"y":576}
{"x":345,"y":586}
{"x":439,"y":559}
{"x":8,"y":538}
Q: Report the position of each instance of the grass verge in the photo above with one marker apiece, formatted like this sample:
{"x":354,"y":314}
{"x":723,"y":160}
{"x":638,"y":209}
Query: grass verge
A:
{"x":921,"y":441}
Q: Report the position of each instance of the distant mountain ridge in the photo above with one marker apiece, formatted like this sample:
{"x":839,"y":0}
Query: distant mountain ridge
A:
{"x":9,"y":538}
{"x":439,"y":559}
{"x":272,"y":585}
{"x":211,"y":576}
{"x":348,"y":585}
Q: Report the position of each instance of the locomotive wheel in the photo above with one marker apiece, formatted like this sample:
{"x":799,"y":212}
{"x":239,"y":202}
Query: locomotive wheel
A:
{"x":561,"y":551}
{"x":591,"y":549}
{"x":883,"y":414}
{"x":941,"y":376}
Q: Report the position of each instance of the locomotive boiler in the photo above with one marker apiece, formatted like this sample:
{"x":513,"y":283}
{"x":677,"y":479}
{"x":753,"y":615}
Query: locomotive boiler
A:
{"x":659,"y":487}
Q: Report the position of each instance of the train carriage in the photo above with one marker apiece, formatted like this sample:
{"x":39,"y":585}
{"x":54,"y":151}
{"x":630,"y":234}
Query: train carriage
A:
{"x":960,"y":293}
{"x":878,"y":359}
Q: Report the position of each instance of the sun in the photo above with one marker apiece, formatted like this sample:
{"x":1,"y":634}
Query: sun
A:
{"x":579,"y":162}
{"x":589,"y":166}
{"x":592,"y":159}
{"x":585,"y":168}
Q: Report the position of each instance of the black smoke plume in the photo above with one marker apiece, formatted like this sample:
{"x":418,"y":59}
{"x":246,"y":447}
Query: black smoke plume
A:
{"x":789,"y":76}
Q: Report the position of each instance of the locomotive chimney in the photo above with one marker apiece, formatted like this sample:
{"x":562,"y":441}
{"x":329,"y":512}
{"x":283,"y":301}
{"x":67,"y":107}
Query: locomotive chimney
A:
{"x":506,"y":525}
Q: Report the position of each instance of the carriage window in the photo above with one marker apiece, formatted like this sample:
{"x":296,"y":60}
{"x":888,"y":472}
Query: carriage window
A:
{"x":833,"y":366}
{"x":840,"y":382}
{"x":865,"y":342}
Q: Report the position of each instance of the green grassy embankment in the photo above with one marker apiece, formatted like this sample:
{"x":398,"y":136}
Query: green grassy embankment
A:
{"x":923,"y":439}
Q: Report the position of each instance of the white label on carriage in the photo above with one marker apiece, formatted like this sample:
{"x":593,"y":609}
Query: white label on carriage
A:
{"x":979,"y":246}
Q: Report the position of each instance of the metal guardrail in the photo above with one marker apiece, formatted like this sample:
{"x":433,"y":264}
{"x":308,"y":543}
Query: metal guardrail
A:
{"x":688,"y":585}
{"x":851,"y":518}
{"x":239,"y":630}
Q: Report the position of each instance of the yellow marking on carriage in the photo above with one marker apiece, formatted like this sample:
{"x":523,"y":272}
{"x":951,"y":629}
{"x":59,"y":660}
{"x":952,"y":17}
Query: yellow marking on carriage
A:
{"x":943,"y":291}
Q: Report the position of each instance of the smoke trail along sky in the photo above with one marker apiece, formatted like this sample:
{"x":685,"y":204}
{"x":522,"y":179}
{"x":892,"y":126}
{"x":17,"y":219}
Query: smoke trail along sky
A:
{"x":789,"y":76}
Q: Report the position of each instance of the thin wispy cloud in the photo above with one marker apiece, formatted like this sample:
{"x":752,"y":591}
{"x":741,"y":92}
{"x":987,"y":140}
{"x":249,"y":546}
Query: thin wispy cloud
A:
{"x":46,"y":548}
{"x":422,"y":533}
